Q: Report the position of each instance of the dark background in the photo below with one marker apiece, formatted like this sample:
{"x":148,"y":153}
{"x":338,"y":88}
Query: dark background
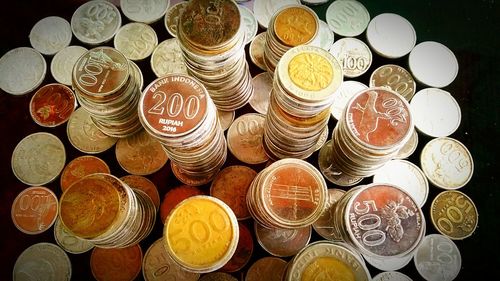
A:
{"x":469,"y":28}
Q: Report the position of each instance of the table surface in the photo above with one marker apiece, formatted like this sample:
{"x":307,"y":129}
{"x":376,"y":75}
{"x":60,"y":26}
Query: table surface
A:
{"x":469,"y":28}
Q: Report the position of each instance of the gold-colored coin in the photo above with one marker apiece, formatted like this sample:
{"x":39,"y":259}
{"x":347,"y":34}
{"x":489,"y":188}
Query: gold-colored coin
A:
{"x":310,"y":71}
{"x":296,"y":25}
{"x":454,"y":214}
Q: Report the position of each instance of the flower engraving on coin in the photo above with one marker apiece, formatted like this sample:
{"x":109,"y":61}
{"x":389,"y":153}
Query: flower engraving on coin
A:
{"x":310,"y":71}
{"x":395,"y":212}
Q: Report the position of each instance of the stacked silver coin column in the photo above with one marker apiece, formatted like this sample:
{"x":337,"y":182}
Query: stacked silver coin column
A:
{"x":107,"y":86}
{"x":212,"y":40}
{"x":304,"y":85}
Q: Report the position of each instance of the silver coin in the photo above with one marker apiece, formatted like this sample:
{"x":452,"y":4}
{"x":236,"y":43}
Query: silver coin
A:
{"x":388,"y":263}
{"x":353,"y":54}
{"x":262,"y":84}
{"x":22,"y":70}
{"x":325,"y":36}
{"x":437,"y":258}
{"x":96,"y":22}
{"x":69,"y":242}
{"x":42,"y":261}
{"x":347,"y":18}
{"x":167,"y":58}
{"x":249,"y":22}
{"x":136,"y":40}
{"x":347,"y":89}
{"x":391,"y":35}
{"x":145,"y":11}
{"x":265,"y":9}
{"x":63,"y":62}
{"x":50,"y":35}
{"x":391,"y":276}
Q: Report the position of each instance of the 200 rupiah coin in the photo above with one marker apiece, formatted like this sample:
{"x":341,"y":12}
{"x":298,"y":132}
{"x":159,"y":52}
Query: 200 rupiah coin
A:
{"x":52,"y":105}
{"x":34,"y":210}
{"x":454,"y":214}
{"x":244,"y":138}
{"x":42,"y":260}
{"x":80,"y":167}
{"x":38,"y":158}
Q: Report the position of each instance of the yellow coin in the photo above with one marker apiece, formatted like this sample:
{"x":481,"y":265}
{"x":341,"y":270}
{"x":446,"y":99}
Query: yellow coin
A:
{"x":296,"y":25}
{"x":327,"y":268}
{"x":310,"y":71}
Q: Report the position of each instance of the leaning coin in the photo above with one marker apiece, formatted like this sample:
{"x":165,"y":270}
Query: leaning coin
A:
{"x":325,"y":37}
{"x":116,"y":263}
{"x":282,"y":242}
{"x":344,"y":93}
{"x":323,"y":226}
{"x":136,"y":40}
{"x":34,"y":210}
{"x":96,"y":22}
{"x":144,"y":11}
{"x":50,"y":35}
{"x":266,"y":268}
{"x":256,"y":50}
{"x":172,"y":17}
{"x":353,"y":54}
{"x":144,"y":184}
{"x":244,"y":138}
{"x":391,"y":276}
{"x":409,"y":147}
{"x":42,"y":260}
{"x":226,"y":118}
{"x":22,"y":70}
{"x":437,"y":258}
{"x":52,"y":105}
{"x":68,"y":241}
{"x":249,"y":23}
{"x":38,"y":158}
{"x":80,"y":167}
{"x":454,"y":214}
{"x":63,"y":62}
{"x":329,"y":171}
{"x":347,"y":18}
{"x":395,"y":78}
{"x":262,"y":85}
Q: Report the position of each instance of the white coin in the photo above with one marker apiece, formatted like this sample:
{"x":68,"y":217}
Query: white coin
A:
{"x":433,"y":64}
{"x":69,"y":242}
{"x":50,"y":35}
{"x":435,"y":112}
{"x":96,"y":22}
{"x":167,"y":58}
{"x":391,"y":276}
{"x":437,"y":258}
{"x":62,"y":63}
{"x":265,"y":9}
{"x":347,"y":18}
{"x":136,"y":40}
{"x":249,"y":23}
{"x":354,"y":56}
{"x":325,"y":37}
{"x":146,"y":11}
{"x":391,"y":35}
{"x":22,"y":70}
{"x":341,"y":97}
{"x":42,"y":261}
{"x":262,"y":85}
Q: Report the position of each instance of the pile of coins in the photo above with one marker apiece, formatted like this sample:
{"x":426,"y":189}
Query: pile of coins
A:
{"x":107,"y":87}
{"x":304,"y":84}
{"x":289,"y":193}
{"x":102,"y":209}
{"x":290,"y":26}
{"x":177,"y":110}
{"x":212,"y":40}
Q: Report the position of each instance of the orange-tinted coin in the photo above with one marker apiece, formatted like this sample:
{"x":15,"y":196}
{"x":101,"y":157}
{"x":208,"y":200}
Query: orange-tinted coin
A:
{"x":80,"y":167}
{"x":243,"y":251}
{"x":190,"y":179}
{"x":52,"y":105}
{"x":231,"y":185}
{"x":34,"y":210}
{"x":144,"y":184}
{"x":116,"y":264}
{"x":296,"y":25}
{"x":174,"y":197}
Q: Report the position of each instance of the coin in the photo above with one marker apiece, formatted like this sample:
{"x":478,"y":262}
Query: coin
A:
{"x":50,"y":35}
{"x":244,"y":138}
{"x":408,"y":148}
{"x":22,"y":70}
{"x":447,"y":163}
{"x":96,"y":22}
{"x":250,"y":23}
{"x":323,"y":226}
{"x":69,"y":242}
{"x":226,"y":118}
{"x":325,"y":37}
{"x":296,"y":25}
{"x":38,"y":158}
{"x":330,"y":172}
{"x":266,"y":268}
{"x":341,"y":97}
{"x":146,"y":12}
{"x":42,"y":260}
{"x":80,"y":167}
{"x":322,"y":139}
{"x":144,"y":184}
{"x":282,"y":242}
{"x":167,"y":58}
{"x":391,"y":35}
{"x":353,"y":54}
{"x":34,"y":210}
{"x":136,"y":40}
{"x":436,"y":112}
{"x":395,"y":78}
{"x":433,"y":64}
{"x":243,"y":251}
{"x":391,"y":276}
{"x":52,"y":105}
{"x":388,"y":263}
{"x":201,"y":234}
{"x":454,"y":214}
{"x":217,"y":276}
{"x":263,"y":85}
{"x":174,"y":196}
{"x":265,"y":9}
{"x":256,"y":50}
{"x":437,"y":258}
{"x":62,"y":63}
{"x":347,"y":18}
{"x":172,"y":17}
{"x":188,"y":179}
{"x":116,"y":263}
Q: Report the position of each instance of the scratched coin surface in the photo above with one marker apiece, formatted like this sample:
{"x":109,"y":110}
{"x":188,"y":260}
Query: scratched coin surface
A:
{"x":62,"y":63}
{"x":243,"y":252}
{"x":96,"y":22}
{"x":244,"y":138}
{"x":324,"y":226}
{"x":167,"y":58}
{"x":52,"y":105}
{"x":38,"y":158}
{"x":438,"y":258}
{"x":80,"y":167}
{"x":157,"y":265}
{"x":116,"y":263}
{"x":145,"y":11}
{"x":34,"y":210}
{"x":50,"y":35}
{"x":68,"y":242}
{"x":282,"y":242}
{"x":144,"y":184}
{"x":395,"y":78}
{"x":447,"y":163}
{"x":266,"y":268}
{"x":22,"y":70}
{"x":172,"y":17}
{"x":136,"y":40}
{"x":454,"y":214}
{"x":42,"y":261}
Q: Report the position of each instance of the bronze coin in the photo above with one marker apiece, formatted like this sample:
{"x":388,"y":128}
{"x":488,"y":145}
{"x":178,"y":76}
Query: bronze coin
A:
{"x":116,"y":263}
{"x":144,"y":184}
{"x":244,"y":138}
{"x":266,"y":268}
{"x":324,"y":226}
{"x":243,"y":251}
{"x":34,"y":210}
{"x":175,"y":196}
{"x":52,"y":105}
{"x":80,"y":167}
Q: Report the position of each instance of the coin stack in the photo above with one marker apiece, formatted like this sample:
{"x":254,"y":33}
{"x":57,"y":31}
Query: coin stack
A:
{"x":107,"y":87}
{"x":102,"y":209}
{"x":288,"y":194}
{"x":305,"y":81}
{"x":290,"y":26}
{"x":177,"y":110}
{"x":374,"y":126}
{"x":212,"y":40}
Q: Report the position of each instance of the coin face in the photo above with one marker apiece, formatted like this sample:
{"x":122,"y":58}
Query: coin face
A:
{"x":63,"y":61}
{"x":172,"y":17}
{"x":395,"y":78}
{"x":454,"y":214}
{"x":136,"y":40}
{"x":96,"y":22}
{"x":323,"y":226}
{"x":391,"y":276}
{"x":433,"y":64}
{"x":244,"y":138}
{"x":22,"y":70}
{"x":256,"y":50}
{"x":38,"y":158}
{"x":353,"y":54}
{"x":52,"y":105}
{"x":265,"y":9}
{"x":391,"y":35}
{"x":148,"y":11}
{"x":50,"y":35}
{"x":167,"y":58}
{"x":144,"y":184}
{"x":266,"y":268}
{"x":347,"y":18}
{"x":80,"y":167}
{"x":43,"y":260}
{"x":116,"y":263}
{"x":243,"y":251}
{"x":68,"y":242}
{"x":175,"y":196}
{"x":262,"y":85}
{"x":34,"y":210}
{"x":282,"y":242}
{"x":388,"y":264}
{"x":340,"y":99}
{"x":437,"y":258}
{"x":447,"y":163}
{"x":250,"y":23}
{"x":296,"y":25}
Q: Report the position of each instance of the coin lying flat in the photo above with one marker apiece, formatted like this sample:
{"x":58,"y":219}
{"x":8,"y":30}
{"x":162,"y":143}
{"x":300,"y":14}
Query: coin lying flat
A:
{"x":433,"y":64}
{"x":42,"y":261}
{"x":217,"y":276}
{"x":68,"y":242}
{"x":391,"y":276}
{"x":167,"y":58}
{"x":256,"y":50}
{"x":52,"y":105}
{"x":347,"y":18}
{"x":391,"y":35}
{"x":243,"y":252}
{"x":346,"y":90}
{"x":34,"y":210}
{"x":250,"y":23}
{"x":62,"y":63}
{"x":265,"y":9}
{"x":148,"y":11}
{"x":323,"y":226}
{"x":174,"y":196}
{"x":395,"y":78}
{"x":437,"y":258}
{"x":172,"y":17}
{"x":266,"y":268}
{"x":50,"y":35}
{"x":80,"y":167}
{"x":353,"y":54}
{"x":144,"y":184}
{"x":282,"y":242}
{"x":22,"y":70}
{"x":263,"y":84}
{"x":117,"y":263}
{"x":387,"y":264}
{"x":136,"y":40}
{"x":226,"y":118}
{"x":244,"y":138}
{"x":96,"y":22}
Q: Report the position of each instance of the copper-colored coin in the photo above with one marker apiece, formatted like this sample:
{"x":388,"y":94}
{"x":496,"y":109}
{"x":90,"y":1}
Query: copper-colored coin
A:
{"x":140,"y":154}
{"x":454,"y":214}
{"x":243,"y":251}
{"x":217,"y":276}
{"x":296,"y":25}
{"x":209,"y":24}
{"x":52,"y":105}
{"x":34,"y":210}
{"x":266,"y":268}
{"x":116,"y":264}
{"x":324,"y":226}
{"x":395,"y":78}
{"x":244,"y":138}
{"x":101,"y":71}
{"x":282,"y":242}
{"x":80,"y":167}
{"x":190,"y":179}
{"x":174,"y":197}
{"x":173,"y":105}
{"x":144,"y":184}
{"x":384,"y":221}
{"x":231,"y":185}
{"x":379,"y":117}
{"x":90,"y":206}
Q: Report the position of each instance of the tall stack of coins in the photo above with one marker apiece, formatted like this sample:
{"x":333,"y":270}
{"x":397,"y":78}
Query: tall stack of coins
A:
{"x":290,"y":194}
{"x":374,"y":126}
{"x":290,"y":26}
{"x":105,"y":211}
{"x":107,"y":87}
{"x":212,"y":40}
{"x":305,"y":81}
{"x":178,"y":111}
